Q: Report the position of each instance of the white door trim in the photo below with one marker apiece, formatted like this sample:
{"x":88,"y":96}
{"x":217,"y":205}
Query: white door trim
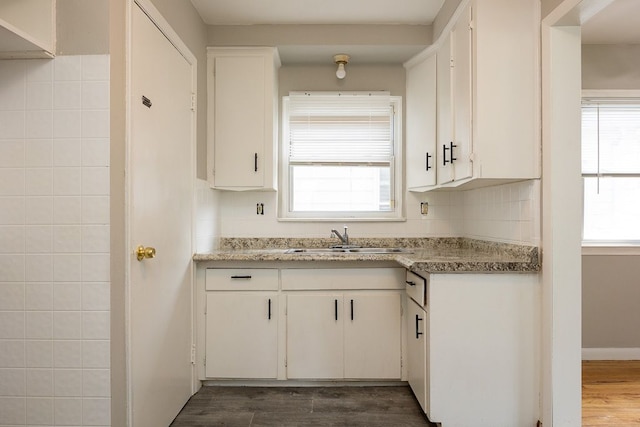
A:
{"x":156,"y":17}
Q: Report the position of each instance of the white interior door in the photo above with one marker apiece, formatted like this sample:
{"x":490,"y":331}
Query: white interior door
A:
{"x":160,"y":183}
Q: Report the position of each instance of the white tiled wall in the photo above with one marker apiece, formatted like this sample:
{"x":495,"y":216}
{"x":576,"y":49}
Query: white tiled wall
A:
{"x":54,"y":241}
{"x":506,"y":213}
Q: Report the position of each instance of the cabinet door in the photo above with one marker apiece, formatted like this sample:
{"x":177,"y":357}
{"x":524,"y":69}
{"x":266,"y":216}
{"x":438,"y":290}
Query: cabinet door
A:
{"x":372,"y":335}
{"x":315,"y":336}
{"x":242,"y":335}
{"x":461,"y":149}
{"x":239,"y":120}
{"x":418,"y":365}
{"x":444,"y":169}
{"x":421,"y":124}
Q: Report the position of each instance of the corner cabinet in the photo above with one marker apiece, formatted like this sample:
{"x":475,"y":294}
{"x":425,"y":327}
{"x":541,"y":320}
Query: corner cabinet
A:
{"x":242,"y":124}
{"x":474,"y":345}
{"x":487,"y":97}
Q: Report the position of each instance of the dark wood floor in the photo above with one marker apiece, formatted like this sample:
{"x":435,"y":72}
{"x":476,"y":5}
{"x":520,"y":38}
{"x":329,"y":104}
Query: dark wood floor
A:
{"x":369,"y":406}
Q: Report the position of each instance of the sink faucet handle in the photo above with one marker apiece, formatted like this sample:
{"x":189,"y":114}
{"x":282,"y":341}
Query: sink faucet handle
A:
{"x":346,"y":236}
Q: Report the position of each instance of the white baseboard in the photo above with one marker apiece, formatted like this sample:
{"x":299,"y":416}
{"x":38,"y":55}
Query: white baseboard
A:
{"x":611,"y":354}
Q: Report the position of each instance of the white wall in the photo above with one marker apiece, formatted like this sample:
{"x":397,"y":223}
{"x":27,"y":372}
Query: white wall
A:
{"x":54,"y":241}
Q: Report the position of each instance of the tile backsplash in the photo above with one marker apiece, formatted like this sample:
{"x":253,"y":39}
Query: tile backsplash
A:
{"x":54,"y":241}
{"x":505,"y":213}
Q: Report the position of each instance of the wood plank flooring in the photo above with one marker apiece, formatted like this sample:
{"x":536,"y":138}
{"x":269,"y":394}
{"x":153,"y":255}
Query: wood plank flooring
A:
{"x":611,"y":393}
{"x":610,"y":397}
{"x":369,"y":406}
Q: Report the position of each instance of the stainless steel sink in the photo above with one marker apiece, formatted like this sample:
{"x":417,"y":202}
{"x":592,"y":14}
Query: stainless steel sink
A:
{"x":312,"y":251}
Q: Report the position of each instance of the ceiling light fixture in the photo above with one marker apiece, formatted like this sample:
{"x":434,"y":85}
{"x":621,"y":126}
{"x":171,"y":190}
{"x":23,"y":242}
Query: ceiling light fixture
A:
{"x":341,"y":60}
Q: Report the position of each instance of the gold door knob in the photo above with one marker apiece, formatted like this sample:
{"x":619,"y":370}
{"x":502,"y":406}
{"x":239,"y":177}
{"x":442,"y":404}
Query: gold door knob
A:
{"x":142,"y":252}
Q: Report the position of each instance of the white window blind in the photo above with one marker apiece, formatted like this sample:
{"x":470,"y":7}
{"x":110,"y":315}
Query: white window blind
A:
{"x":340,"y":156}
{"x":340,"y":129}
{"x":611,"y":170}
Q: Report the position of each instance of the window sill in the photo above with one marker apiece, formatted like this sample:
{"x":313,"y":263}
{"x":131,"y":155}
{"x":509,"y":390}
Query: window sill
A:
{"x":610,"y":249}
{"x":347,"y":219}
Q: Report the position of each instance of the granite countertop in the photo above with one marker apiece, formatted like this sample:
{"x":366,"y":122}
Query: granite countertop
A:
{"x":428,"y":255}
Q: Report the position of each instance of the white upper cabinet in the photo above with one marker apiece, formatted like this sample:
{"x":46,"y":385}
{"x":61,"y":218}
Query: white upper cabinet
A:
{"x":444,"y":101}
{"x":242,"y":118}
{"x":420,"y":122}
{"x":487,"y":96}
{"x":27,"y":29}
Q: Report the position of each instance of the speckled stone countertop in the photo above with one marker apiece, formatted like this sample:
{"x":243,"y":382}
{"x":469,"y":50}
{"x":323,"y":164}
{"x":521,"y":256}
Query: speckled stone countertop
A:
{"x":428,"y":255}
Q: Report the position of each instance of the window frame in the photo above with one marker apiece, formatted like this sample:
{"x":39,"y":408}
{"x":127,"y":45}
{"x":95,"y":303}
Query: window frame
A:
{"x":607,"y":246}
{"x":396,"y":172}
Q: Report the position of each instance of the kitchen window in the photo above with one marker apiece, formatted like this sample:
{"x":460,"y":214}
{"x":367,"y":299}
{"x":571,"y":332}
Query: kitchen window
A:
{"x":611,"y":171}
{"x":341,"y":156}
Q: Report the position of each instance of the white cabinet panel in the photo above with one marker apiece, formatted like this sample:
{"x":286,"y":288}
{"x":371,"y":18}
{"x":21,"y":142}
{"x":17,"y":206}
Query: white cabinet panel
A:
{"x":242,"y":335}
{"x":445,"y":112}
{"x":417,"y":341}
{"x":372,"y":335}
{"x":420,"y":124}
{"x":461,"y":148}
{"x":315,"y":336}
{"x":242,"y":118}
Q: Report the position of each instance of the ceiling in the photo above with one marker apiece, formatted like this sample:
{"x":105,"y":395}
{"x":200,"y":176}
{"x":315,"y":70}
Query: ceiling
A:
{"x":247,"y":12}
{"x":617,"y":23}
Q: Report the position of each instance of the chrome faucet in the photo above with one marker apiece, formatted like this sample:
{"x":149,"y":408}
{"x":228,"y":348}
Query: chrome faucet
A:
{"x":344,"y":238}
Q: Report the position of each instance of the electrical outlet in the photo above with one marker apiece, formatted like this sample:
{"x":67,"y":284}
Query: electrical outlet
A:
{"x":260,"y":209}
{"x":424,"y":208}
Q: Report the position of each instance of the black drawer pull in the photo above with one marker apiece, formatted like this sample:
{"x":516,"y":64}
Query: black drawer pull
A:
{"x":418,"y":320}
{"x":351,"y":309}
{"x":269,"y":308}
{"x":241,"y":277}
{"x":336,"y":308}
{"x":410,"y":283}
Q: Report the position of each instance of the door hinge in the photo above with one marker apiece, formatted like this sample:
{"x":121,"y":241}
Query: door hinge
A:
{"x":193,"y":354}
{"x":193,"y":102}
{"x":205,"y":361}
{"x":285,"y":362}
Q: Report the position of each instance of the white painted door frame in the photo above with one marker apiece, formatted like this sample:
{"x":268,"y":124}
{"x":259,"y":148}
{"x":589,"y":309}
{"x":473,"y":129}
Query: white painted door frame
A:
{"x":155,"y":16}
{"x":561,"y":400}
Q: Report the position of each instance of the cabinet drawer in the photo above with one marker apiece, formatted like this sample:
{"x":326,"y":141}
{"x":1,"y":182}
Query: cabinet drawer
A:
{"x":304,"y":279}
{"x":241,"y":279}
{"x":416,"y":287}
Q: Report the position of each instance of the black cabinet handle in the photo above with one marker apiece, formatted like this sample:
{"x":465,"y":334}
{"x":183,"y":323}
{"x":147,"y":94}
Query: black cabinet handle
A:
{"x":418,"y":333}
{"x":410,"y":283}
{"x":351,"y":309}
{"x":336,"y":307}
{"x":444,"y":154}
{"x":427,"y":161}
{"x":241,"y":277}
{"x":255,"y":162}
{"x":452,"y":145}
{"x":269,"y":308}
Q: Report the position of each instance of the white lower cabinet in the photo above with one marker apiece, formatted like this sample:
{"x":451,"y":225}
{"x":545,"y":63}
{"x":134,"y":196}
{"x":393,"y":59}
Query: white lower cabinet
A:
{"x":350,"y":335}
{"x":482,"y":359}
{"x":242,"y":335}
{"x":278,"y":323}
{"x":417,"y":345}
{"x":315,"y":330}
{"x":241,"y":323}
